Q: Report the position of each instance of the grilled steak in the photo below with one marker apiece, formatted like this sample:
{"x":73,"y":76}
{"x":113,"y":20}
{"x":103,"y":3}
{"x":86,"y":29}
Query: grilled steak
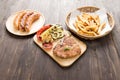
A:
{"x":67,"y":47}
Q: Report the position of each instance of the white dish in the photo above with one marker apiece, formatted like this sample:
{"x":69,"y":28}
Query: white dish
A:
{"x":34,"y":28}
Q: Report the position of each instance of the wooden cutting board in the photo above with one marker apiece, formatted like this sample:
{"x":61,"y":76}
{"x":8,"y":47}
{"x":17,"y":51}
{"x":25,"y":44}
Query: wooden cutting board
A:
{"x":62,"y":62}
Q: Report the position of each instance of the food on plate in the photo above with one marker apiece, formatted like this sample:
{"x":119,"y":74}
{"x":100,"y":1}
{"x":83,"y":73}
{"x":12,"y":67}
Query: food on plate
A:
{"x":89,"y":24}
{"x":67,"y":47}
{"x":24,"y":20}
{"x":48,"y":34}
{"x":17,"y":19}
{"x":59,"y":44}
{"x":62,"y":44}
{"x":31,"y":20}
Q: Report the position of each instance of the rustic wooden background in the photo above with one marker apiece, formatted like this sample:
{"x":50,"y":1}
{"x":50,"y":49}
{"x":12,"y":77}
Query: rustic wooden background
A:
{"x":22,"y":59}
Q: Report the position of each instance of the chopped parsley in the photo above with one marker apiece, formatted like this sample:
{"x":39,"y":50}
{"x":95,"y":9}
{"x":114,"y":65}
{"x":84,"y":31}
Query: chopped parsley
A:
{"x":66,"y":48}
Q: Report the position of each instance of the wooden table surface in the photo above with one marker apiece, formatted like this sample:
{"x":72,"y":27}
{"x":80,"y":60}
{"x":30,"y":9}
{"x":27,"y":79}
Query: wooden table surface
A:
{"x":22,"y":59}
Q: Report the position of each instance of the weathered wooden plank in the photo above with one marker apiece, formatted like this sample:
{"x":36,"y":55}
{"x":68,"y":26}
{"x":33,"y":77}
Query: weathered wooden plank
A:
{"x":21,"y":59}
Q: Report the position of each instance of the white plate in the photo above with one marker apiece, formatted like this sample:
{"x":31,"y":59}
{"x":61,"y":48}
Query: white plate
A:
{"x":34,"y":28}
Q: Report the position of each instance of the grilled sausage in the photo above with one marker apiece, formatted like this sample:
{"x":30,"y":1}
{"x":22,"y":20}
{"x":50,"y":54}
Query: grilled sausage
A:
{"x":31,"y":19}
{"x":18,"y":18}
{"x":24,"y":20}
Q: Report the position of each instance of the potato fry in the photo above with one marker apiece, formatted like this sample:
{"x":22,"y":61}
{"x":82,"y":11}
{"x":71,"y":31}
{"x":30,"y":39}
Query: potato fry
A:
{"x":96,"y":19}
{"x":92,"y":28}
{"x":76,"y":26}
{"x":88,"y":25}
{"x":86,"y":15}
{"x":92,"y":23}
{"x":101,"y":28}
{"x":87,"y":32}
{"x":83,"y":20}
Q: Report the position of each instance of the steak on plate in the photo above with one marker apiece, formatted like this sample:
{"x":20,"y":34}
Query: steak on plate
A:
{"x":67,"y":47}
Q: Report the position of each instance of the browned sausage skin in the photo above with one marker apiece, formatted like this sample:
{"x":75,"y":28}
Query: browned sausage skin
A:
{"x":32,"y":18}
{"x":24,"y":20}
{"x":18,"y":18}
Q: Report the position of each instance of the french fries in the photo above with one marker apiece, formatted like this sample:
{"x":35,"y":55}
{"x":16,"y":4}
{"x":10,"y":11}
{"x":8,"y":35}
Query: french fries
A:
{"x":89,"y":25}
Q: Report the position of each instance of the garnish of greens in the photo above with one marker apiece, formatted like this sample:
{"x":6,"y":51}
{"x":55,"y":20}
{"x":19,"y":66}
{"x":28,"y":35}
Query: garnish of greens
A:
{"x":66,"y":48}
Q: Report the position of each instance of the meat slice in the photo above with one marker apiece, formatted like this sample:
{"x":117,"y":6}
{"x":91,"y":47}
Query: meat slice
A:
{"x":67,"y":48}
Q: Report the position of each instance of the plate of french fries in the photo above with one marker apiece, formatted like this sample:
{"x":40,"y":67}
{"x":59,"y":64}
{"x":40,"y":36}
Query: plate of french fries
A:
{"x":90,"y":22}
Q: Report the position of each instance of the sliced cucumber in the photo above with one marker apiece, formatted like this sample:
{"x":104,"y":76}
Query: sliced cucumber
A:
{"x":57,"y":32}
{"x":53,"y":33}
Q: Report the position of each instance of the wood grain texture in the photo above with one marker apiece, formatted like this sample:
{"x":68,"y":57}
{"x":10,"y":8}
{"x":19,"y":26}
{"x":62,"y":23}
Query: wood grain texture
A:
{"x":22,"y":59}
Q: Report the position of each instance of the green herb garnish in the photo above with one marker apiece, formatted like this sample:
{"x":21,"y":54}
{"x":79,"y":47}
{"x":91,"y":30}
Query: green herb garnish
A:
{"x":66,"y":48}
